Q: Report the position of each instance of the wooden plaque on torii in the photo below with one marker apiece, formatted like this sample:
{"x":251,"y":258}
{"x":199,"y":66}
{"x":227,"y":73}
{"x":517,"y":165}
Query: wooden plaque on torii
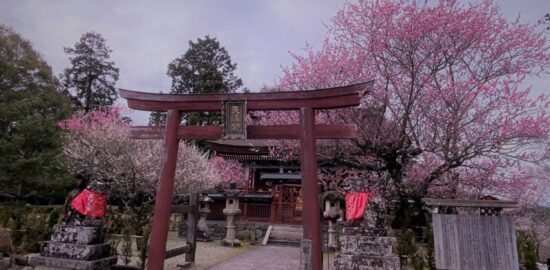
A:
{"x":306,"y":102}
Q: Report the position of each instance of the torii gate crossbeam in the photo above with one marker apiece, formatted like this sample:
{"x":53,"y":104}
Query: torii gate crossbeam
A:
{"x":306,"y":102}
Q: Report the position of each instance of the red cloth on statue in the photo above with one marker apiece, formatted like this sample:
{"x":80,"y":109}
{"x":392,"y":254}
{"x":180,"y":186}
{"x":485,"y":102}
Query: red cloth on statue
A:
{"x":356,"y":203}
{"x":90,"y":203}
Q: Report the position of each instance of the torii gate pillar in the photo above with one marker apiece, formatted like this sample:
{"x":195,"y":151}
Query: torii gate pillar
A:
{"x":311,"y":256}
{"x":165,"y":192}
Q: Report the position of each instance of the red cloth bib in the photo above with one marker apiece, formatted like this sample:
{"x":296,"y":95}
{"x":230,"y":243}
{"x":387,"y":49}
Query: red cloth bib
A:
{"x":90,"y":203}
{"x":356,"y":203}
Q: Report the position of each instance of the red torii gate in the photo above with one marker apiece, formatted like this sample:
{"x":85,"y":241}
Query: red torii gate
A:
{"x":306,"y":131}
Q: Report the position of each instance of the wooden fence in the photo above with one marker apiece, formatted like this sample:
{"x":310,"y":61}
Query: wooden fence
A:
{"x":475,"y":242}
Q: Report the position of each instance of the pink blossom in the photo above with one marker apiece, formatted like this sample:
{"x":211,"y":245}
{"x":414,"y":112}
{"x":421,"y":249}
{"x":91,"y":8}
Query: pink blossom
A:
{"x":447,"y":115}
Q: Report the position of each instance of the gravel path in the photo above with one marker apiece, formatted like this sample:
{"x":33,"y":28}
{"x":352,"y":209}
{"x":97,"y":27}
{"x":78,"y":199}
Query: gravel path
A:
{"x":263,"y":257}
{"x":207,"y":253}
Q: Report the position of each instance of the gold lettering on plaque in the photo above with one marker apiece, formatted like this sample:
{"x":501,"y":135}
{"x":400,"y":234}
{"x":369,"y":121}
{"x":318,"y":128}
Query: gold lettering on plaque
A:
{"x":235,"y":124}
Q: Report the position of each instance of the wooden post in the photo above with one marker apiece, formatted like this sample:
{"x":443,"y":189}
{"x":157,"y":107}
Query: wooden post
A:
{"x":244,"y":215}
{"x":192,"y":217}
{"x":163,"y":202}
{"x":311,"y":257}
{"x":273,"y":212}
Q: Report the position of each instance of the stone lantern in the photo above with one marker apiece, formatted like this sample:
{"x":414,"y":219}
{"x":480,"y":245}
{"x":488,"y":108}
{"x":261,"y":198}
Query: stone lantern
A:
{"x":231,"y":211}
{"x":202,"y":226}
{"x":332,"y":213}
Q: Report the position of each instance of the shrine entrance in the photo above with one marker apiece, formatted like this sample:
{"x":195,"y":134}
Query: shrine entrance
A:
{"x":234,"y":108}
{"x":288,"y":203}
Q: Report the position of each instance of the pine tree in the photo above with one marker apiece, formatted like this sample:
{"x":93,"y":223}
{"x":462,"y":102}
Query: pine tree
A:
{"x":92,"y":76}
{"x":206,"y":67}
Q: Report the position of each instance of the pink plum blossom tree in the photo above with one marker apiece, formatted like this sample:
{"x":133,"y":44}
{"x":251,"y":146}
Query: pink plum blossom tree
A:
{"x":448,"y":115}
{"x":231,"y":171}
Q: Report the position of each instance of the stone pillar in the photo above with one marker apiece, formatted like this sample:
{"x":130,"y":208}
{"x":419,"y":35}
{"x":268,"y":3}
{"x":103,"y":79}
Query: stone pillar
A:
{"x":332,"y":213}
{"x":362,"y":251}
{"x":202,"y":226}
{"x":231,"y":211}
{"x":366,"y":246}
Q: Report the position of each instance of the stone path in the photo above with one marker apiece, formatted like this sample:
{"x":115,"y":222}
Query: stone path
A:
{"x":263,"y":257}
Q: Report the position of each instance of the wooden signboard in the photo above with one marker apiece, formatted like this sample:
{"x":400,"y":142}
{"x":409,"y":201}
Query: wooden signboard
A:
{"x":234,"y":119}
{"x":475,"y":242}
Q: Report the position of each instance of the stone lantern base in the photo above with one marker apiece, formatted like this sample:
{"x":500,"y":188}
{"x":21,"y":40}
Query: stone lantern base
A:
{"x":231,"y":243}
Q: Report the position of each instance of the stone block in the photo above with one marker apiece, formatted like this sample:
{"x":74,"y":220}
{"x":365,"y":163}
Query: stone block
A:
{"x":4,"y":263}
{"x":58,"y":263}
{"x":231,"y":243}
{"x":305,"y":254}
{"x":365,"y":252}
{"x":21,"y":259}
{"x":78,"y":234}
{"x":360,"y":262}
{"x":367,"y":245}
{"x":124,"y":267}
{"x":75,"y":251}
{"x":42,"y":267}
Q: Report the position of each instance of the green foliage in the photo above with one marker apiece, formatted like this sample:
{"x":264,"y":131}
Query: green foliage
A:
{"x":143,"y":246}
{"x":416,"y":255}
{"x":407,"y":244}
{"x":157,"y":118}
{"x":126,"y":251}
{"x":113,"y":242}
{"x":29,"y":225}
{"x":31,"y":162}
{"x":527,"y":251}
{"x":205,"y":67}
{"x":92,"y":76}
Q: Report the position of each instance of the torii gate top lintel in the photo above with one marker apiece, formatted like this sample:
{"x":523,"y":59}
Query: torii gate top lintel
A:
{"x":306,"y":131}
{"x":329,"y":98}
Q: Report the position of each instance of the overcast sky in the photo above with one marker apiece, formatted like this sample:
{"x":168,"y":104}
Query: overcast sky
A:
{"x":146,"y":35}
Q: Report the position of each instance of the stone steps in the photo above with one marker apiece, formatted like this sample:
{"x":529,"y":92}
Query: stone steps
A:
{"x":59,"y":263}
{"x":286,"y":235}
{"x":365,"y":262}
{"x":75,"y":251}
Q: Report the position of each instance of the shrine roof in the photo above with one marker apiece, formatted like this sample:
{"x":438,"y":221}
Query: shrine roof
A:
{"x":244,"y":143}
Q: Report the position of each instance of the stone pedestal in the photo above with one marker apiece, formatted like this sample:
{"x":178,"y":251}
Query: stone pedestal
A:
{"x":365,"y":252}
{"x":231,"y":211}
{"x":75,"y":247}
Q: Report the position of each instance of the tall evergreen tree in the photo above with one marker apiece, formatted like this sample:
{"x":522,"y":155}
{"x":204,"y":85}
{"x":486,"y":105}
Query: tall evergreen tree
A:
{"x":206,"y":67}
{"x":30,"y":106}
{"x":92,"y":76}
